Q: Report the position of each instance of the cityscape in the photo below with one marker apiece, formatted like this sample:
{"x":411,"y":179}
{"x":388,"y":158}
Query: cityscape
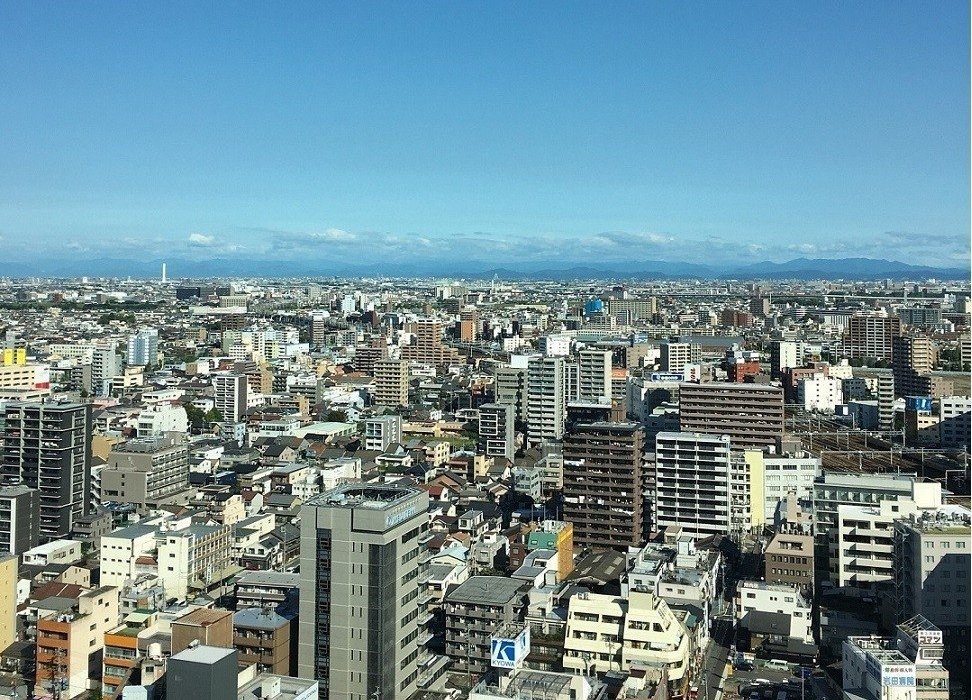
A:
{"x":432,"y":351}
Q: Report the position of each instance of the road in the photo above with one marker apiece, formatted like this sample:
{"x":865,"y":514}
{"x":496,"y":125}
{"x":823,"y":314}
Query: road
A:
{"x":714,"y":664}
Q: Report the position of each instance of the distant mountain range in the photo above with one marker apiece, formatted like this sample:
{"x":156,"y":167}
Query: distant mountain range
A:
{"x":799,"y":269}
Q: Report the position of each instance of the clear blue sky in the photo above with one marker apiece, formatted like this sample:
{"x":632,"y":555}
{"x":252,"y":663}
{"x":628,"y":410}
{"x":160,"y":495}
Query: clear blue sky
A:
{"x":502,"y":131}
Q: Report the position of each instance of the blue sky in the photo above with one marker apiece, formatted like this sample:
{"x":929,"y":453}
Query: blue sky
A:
{"x":494,"y":131}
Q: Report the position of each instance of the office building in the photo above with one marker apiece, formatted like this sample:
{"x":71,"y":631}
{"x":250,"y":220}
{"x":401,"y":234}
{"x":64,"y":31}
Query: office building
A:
{"x":692,"y":483}
{"x":955,"y":421}
{"x":870,"y":336}
{"x":391,"y":382}
{"x":750,"y":414}
{"x":603,"y":484}
{"x":230,"y":396}
{"x":146,"y":471}
{"x":359,"y":590}
{"x":143,"y":348}
{"x":382,"y":431}
{"x":546,"y":399}
{"x":496,"y":430}
{"x":19,"y":519}
{"x":907,"y":666}
{"x":47,"y":446}
{"x":932,"y":578}
{"x":195,"y":558}
{"x":820,"y":393}
{"x":594,"y":376}
{"x":203,"y":672}
{"x":784,"y":355}
{"x":674,"y":356}
{"x":789,"y":559}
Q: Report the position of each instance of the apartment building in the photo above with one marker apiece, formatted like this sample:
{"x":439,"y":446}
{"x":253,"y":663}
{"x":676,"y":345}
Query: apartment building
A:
{"x":497,"y":431}
{"x":382,"y":431}
{"x":510,"y":388}
{"x":70,"y":642}
{"x":546,"y":399}
{"x":674,"y":356}
{"x":603,"y":484}
{"x":608,"y":633}
{"x":391,"y":382}
{"x":784,"y":355}
{"x":474,"y":611}
{"x":147,"y":472}
{"x":751,"y":415}
{"x":120,"y":552}
{"x":594,"y":372}
{"x":19,"y":519}
{"x":263,"y":637}
{"x":230,"y":396}
{"x":955,"y":421}
{"x":47,"y":446}
{"x":692,"y":483}
{"x":194,"y":558}
{"x":870,"y":335}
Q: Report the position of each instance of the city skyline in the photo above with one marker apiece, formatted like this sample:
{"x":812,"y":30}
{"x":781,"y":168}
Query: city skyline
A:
{"x":506,"y":133}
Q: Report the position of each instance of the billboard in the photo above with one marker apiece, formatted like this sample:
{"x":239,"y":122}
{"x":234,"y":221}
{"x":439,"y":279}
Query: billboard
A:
{"x":509,"y":652}
{"x":921,"y":404}
{"x":667,"y":377}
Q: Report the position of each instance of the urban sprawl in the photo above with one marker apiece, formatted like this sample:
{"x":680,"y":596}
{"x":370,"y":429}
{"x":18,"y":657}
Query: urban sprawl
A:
{"x":374,"y":489}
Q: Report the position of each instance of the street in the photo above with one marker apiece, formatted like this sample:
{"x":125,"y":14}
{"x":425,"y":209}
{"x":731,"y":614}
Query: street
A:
{"x":714,"y":664}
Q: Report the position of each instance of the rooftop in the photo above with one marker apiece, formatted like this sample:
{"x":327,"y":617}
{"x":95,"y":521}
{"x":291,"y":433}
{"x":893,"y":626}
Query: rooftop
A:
{"x":203,"y":654}
{"x":376,"y":496}
{"x":487,"y":590}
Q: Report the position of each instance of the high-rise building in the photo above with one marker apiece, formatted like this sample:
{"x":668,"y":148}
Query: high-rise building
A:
{"x":230,"y":392}
{"x":594,"y":376}
{"x":359,"y":590}
{"x":47,"y":446}
{"x":692,"y":483}
{"x":496,"y":430}
{"x":391,"y":382}
{"x":870,"y":336}
{"x":546,"y":399}
{"x":931,"y":577}
{"x":427,"y":346}
{"x":143,"y":347}
{"x":604,"y":483}
{"x":913,"y":358}
{"x":510,"y":388}
{"x":19,"y":519}
{"x":784,"y":355}
{"x":750,"y":414}
{"x":105,"y":366}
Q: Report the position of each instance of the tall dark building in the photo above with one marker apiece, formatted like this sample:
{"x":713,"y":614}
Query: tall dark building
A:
{"x":750,"y":414}
{"x":47,"y":446}
{"x":19,"y":519}
{"x":604,"y":483}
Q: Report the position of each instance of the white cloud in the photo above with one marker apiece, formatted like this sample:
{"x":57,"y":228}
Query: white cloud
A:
{"x":201,"y":240}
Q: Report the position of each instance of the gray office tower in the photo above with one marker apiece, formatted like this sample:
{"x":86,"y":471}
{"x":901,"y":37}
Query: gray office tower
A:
{"x":47,"y":446}
{"x":19,"y":519}
{"x":203,"y":673}
{"x":359,"y":589}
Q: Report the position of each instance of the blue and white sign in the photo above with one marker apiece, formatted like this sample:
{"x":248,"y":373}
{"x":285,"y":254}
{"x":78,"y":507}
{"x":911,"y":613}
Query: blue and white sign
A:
{"x":667,"y":377}
{"x":510,"y":653}
{"x":921,"y":404}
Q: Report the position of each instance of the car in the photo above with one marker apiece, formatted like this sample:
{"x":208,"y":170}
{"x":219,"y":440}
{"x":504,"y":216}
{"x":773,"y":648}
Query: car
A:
{"x":744,"y":666}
